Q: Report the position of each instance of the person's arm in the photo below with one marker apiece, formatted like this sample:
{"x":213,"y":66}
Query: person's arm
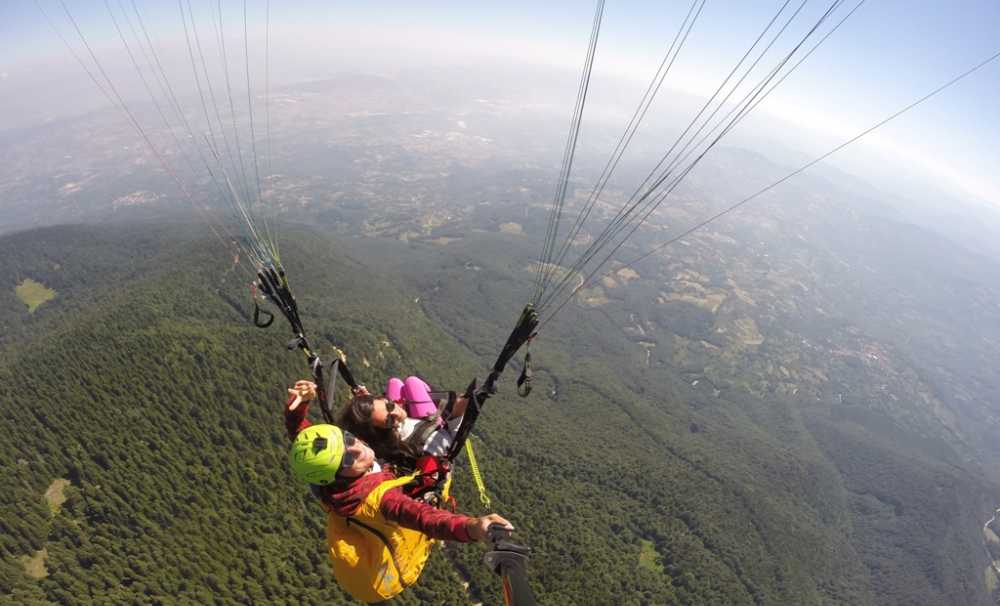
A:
{"x":416,"y":515}
{"x":458,"y":410}
{"x":435,"y":523}
{"x":297,"y":407}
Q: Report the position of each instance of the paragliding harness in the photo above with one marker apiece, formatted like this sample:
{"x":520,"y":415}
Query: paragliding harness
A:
{"x":432,"y":483}
{"x":432,"y":478}
{"x":435,"y":471}
{"x":273,"y":284}
{"x":521,"y":335}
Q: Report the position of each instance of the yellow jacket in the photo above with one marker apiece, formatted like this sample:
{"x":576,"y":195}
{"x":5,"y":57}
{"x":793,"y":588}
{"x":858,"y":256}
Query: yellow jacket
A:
{"x":374,"y":559}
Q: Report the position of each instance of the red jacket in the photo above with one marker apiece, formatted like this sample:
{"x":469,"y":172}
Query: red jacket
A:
{"x":344,"y":497}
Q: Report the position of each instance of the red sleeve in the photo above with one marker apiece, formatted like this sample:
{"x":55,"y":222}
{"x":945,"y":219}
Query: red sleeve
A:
{"x":415,"y":515}
{"x":296,"y":420}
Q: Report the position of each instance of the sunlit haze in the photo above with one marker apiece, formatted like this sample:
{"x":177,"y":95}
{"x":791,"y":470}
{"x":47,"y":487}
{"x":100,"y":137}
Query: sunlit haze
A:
{"x":885,"y":56}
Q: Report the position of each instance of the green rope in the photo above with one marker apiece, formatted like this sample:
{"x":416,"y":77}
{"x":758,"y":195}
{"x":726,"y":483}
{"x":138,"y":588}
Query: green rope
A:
{"x":484,"y":498}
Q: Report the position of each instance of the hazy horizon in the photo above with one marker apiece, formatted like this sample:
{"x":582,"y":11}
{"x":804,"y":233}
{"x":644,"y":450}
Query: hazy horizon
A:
{"x":858,"y":77}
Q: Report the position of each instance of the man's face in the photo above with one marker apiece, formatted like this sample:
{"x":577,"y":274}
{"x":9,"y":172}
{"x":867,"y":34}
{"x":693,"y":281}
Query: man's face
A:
{"x":364,"y":459}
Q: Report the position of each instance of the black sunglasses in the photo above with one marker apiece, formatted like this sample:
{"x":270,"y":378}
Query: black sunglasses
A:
{"x":390,"y":421}
{"x":348,"y":459}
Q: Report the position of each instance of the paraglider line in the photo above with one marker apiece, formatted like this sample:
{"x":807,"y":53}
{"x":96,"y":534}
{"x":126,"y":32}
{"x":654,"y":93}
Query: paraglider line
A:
{"x":211,"y":92}
{"x":253,"y":136}
{"x":637,"y":117}
{"x":744,"y":106}
{"x":72,"y":51}
{"x":649,"y":206}
{"x":630,"y":206}
{"x":168,"y":90}
{"x":794,"y":173}
{"x":567,"y":165}
{"x":220,"y":30}
{"x":128,"y":112}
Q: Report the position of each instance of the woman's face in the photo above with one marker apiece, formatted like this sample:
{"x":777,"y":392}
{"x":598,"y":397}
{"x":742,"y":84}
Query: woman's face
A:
{"x":386,"y":413}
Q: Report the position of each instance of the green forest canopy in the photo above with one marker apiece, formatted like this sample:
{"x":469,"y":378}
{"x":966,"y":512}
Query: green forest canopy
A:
{"x":632,"y":486}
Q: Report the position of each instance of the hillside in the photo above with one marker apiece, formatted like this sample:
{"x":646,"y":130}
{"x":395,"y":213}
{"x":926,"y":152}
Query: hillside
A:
{"x":140,"y":395}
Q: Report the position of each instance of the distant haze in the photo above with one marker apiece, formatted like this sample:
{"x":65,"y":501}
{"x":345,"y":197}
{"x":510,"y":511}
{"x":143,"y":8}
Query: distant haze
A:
{"x":885,"y":56}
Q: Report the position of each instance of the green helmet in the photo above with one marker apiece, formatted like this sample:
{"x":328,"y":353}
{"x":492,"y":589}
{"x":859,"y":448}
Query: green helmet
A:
{"x":316,"y":454}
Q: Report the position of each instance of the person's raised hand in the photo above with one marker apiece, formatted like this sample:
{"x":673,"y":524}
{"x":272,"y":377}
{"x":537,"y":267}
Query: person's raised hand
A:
{"x":304,"y":391}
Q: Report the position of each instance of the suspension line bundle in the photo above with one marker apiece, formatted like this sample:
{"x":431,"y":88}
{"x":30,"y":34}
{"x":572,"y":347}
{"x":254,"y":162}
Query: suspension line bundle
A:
{"x":557,"y":284}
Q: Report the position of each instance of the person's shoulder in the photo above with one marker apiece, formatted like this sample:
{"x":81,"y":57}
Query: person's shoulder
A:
{"x":406,"y":428}
{"x":345,"y":498}
{"x":375,"y":478}
{"x":365,"y":483}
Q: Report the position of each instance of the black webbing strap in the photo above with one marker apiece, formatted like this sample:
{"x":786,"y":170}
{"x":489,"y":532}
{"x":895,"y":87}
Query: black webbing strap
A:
{"x":423,"y":430}
{"x":476,"y":398}
{"x":344,"y":371}
{"x":449,"y":398}
{"x":327,"y":391}
{"x":524,"y":380}
{"x":337,"y":368}
{"x":523,"y":331}
{"x":273,"y":283}
{"x":444,"y":401}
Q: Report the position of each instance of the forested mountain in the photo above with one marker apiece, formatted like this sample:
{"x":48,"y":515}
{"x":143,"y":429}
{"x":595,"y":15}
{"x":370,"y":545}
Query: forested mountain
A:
{"x":658,"y":461}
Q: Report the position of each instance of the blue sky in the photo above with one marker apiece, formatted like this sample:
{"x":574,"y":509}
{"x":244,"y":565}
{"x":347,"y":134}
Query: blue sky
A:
{"x":888,"y":54}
